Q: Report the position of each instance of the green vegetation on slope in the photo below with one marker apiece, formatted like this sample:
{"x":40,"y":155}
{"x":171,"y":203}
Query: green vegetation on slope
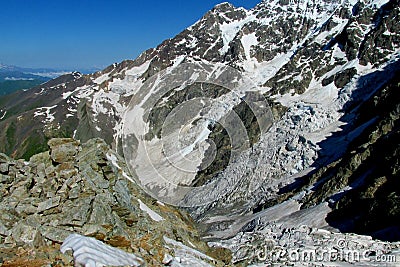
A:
{"x":8,"y":87}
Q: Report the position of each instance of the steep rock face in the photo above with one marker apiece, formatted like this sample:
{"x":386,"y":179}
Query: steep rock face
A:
{"x":371,"y":205}
{"x":361,"y":186}
{"x":85,"y":189}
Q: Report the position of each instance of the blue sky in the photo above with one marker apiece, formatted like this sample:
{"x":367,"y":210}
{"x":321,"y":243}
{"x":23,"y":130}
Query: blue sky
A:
{"x":78,"y":34}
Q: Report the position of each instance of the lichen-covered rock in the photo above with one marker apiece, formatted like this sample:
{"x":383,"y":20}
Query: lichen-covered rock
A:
{"x":83,"y":189}
{"x":63,"y":149}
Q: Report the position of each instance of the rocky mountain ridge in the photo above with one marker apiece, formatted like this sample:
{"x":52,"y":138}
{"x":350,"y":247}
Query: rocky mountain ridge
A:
{"x":107,"y":93}
{"x":85,"y":189}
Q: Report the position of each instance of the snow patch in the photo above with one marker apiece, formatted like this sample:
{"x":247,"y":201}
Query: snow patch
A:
{"x":2,"y":117}
{"x":45,"y":111}
{"x":153,"y":215}
{"x":136,"y":71}
{"x":90,"y":252}
{"x":65,"y":95}
{"x":187,"y":256}
{"x":248,"y":41}
{"x":230,"y":30}
{"x":101,"y":79}
{"x":106,"y":103}
{"x":113,"y":159}
{"x":377,"y":3}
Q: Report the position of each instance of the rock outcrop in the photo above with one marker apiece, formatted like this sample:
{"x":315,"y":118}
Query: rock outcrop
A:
{"x":85,"y":189}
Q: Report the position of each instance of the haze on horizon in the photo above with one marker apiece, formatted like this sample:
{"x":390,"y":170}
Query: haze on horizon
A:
{"x":78,"y":34}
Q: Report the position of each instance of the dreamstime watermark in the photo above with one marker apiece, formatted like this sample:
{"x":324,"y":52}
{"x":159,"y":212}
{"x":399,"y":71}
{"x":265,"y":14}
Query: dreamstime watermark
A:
{"x":341,"y":251}
{"x":168,"y":123}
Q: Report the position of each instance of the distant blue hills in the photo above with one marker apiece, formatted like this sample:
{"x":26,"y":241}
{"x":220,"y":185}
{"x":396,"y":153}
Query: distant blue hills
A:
{"x":13,"y":78}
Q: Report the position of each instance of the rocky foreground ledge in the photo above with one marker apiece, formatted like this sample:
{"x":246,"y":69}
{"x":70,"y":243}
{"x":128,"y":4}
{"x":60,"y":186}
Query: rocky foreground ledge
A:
{"x":85,"y":189}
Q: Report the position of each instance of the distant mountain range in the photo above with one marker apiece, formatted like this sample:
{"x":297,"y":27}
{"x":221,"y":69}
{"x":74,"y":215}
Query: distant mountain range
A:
{"x":13,"y":78}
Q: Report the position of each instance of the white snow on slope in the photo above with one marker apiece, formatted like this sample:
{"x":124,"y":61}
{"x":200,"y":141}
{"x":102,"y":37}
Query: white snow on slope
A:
{"x":260,"y":72}
{"x":153,"y":215}
{"x":230,"y":30}
{"x":102,"y":78}
{"x":83,"y":92}
{"x":186,"y":256}
{"x":132,"y":81}
{"x":90,"y":252}
{"x":247,"y":42}
{"x":377,"y":3}
{"x":65,"y":95}
{"x":4,"y":114}
{"x":114,"y":161}
{"x":138,"y":70}
{"x":106,"y":103}
{"x":45,"y":111}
